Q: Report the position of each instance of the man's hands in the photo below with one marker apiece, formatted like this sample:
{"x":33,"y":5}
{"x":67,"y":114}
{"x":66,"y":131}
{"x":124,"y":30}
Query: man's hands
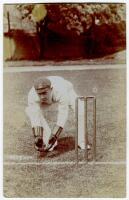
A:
{"x":52,"y":139}
{"x":38,"y":135}
{"x":54,"y":136}
{"x":55,"y":133}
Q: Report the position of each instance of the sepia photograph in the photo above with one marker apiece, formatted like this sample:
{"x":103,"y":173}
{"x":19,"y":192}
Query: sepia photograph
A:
{"x":64,"y":100}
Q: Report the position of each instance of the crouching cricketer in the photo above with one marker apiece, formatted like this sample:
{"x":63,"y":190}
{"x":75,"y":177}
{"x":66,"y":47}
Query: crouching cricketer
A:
{"x":47,"y":90}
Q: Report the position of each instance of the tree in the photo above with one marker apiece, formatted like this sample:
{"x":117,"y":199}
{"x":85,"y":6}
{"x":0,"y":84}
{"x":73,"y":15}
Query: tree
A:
{"x":74,"y":18}
{"x":100,"y":26}
{"x":79,"y":18}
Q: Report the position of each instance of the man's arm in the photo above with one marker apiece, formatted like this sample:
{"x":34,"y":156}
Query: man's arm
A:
{"x":61,"y":120}
{"x":34,"y":113}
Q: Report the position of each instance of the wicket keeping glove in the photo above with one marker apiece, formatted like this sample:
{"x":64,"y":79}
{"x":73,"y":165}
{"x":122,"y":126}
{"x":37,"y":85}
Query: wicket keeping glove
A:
{"x":53,"y":138}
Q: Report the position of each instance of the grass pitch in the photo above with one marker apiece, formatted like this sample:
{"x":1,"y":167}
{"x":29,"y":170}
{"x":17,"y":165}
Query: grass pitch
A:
{"x":22,"y":179}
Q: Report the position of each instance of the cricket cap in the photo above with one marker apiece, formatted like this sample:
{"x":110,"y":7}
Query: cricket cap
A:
{"x":42,"y":83}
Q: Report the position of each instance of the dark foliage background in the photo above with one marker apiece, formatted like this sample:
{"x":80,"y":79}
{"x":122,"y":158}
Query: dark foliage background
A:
{"x":74,"y":31}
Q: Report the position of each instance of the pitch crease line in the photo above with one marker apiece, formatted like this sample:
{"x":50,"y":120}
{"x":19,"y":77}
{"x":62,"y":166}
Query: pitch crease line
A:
{"x":65,"y":163}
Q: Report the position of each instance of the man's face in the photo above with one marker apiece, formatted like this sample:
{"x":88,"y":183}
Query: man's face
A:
{"x":45,"y":95}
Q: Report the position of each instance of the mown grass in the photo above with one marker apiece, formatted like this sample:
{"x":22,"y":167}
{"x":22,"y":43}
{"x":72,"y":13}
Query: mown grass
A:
{"x":64,"y":181}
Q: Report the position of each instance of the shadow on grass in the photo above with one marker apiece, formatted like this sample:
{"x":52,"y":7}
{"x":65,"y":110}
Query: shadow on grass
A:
{"x":65,"y":144}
